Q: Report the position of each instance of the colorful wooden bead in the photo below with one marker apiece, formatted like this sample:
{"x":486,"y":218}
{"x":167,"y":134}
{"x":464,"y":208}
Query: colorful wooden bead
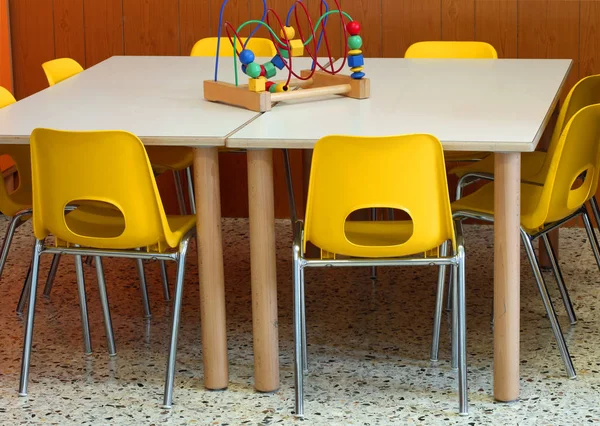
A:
{"x":297,"y":47}
{"x":281,"y":87}
{"x":356,"y":61}
{"x":284,"y":53}
{"x":270,"y":86}
{"x":287,"y":33}
{"x":354,"y":52}
{"x":278,"y":62}
{"x":357,"y":75}
{"x":246,"y":56}
{"x":357,"y":69}
{"x":354,"y":42}
{"x":257,"y":84}
{"x":273,"y":88}
{"x":353,"y":27}
{"x":270,"y":70}
{"x":263,"y":72}
{"x":253,"y":70}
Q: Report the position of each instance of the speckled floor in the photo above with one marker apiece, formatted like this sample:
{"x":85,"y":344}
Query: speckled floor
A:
{"x":368,"y":346}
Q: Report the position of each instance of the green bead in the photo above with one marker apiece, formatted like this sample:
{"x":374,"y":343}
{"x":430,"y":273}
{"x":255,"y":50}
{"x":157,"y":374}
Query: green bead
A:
{"x":253,"y":70}
{"x":284,"y":53}
{"x":270,"y":70}
{"x":354,"y":42}
{"x":273,"y":88}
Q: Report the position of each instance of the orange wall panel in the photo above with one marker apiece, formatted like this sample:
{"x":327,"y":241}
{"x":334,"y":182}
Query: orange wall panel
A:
{"x":5,"y":59}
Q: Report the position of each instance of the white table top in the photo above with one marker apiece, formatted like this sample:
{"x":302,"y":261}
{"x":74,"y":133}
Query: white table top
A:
{"x":160,"y":99}
{"x":476,"y":105}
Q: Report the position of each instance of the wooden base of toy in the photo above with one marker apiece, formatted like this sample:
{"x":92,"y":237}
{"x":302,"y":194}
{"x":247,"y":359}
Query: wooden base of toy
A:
{"x":321,"y":84}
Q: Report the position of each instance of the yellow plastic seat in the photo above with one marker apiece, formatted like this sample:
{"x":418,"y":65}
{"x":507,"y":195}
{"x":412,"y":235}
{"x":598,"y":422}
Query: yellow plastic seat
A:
{"x":571,"y":180}
{"x":208,"y":46}
{"x":535,"y":165}
{"x":349,"y":174}
{"x":112,"y":168}
{"x":163,"y":159}
{"x":60,"y":69}
{"x":454,"y":50}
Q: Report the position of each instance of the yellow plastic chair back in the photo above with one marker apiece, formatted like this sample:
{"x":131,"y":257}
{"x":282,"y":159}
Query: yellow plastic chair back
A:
{"x":451,"y":50}
{"x":208,"y":46}
{"x":6,"y":98}
{"x":401,"y":172}
{"x":20,"y":199}
{"x":577,"y":151}
{"x":60,"y":69}
{"x":584,"y":93}
{"x":100,"y":166}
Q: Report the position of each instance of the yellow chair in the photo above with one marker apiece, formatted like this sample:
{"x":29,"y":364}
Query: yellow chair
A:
{"x":175,"y":159}
{"x":126,"y":183}
{"x":454,"y":50}
{"x":60,"y":69}
{"x":355,"y":173}
{"x":571,"y":180}
{"x":208,"y":46}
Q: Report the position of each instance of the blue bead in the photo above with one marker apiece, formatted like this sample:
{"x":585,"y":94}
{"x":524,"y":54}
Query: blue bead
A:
{"x":244,"y":69}
{"x":246,"y":56}
{"x":278,"y":62}
{"x":356,"y":61}
{"x":357,"y":75}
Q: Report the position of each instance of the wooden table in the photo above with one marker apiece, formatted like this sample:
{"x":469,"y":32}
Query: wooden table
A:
{"x":160,"y":99}
{"x":470,"y":105}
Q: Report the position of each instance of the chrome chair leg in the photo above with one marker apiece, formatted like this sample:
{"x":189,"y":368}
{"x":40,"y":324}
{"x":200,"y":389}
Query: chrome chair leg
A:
{"x":290,"y":186}
{"x":450,"y":290}
{"x":373,"y":214}
{"x":165,"y":280}
{"x":179,"y":191}
{"x":437,"y":316}
{"x":298,"y":339}
{"x":170,"y":374}
{"x":87,"y":342}
{"x":24,"y":292}
{"x":559,"y":280}
{"x":51,"y":274}
{"x":303,"y":312}
{"x":190,"y":187}
{"x":595,"y":210}
{"x":30,"y":317}
{"x":110,"y":339}
{"x":15,"y":222}
{"x":143,"y":288}
{"x":455,"y":319}
{"x":591,"y":235}
{"x":539,"y":278}
{"x":461,"y":313}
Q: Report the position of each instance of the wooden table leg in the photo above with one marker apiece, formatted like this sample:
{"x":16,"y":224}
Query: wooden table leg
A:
{"x":264,"y":275}
{"x":507,"y":270}
{"x":210,"y":263}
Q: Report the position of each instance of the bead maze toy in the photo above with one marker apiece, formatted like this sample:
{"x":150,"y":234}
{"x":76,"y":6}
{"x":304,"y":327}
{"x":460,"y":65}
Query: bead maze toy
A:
{"x":322,"y":79}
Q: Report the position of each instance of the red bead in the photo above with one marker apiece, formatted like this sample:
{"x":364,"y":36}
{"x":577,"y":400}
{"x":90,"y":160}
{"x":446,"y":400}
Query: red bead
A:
{"x":268,"y":85}
{"x":353,"y":27}
{"x":263,"y":71}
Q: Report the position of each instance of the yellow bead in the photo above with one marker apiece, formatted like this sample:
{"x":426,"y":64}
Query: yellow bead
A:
{"x":287,"y":33}
{"x":354,"y":52}
{"x":281,"y":87}
{"x":257,"y":84}
{"x":297,"y":47}
{"x":357,"y":69}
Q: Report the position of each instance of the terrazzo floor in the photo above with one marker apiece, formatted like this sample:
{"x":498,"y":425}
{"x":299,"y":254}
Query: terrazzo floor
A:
{"x":368,"y":346}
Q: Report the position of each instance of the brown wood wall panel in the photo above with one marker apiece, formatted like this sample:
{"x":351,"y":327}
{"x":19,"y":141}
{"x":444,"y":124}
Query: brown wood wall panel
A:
{"x":151,"y":27}
{"x":32,"y":34}
{"x":550,"y":29}
{"x":496,"y":23}
{"x":589,"y":38}
{"x":69,"y":35}
{"x":194,"y":23}
{"x":458,"y":20}
{"x":103,"y":30}
{"x":406,"y":22}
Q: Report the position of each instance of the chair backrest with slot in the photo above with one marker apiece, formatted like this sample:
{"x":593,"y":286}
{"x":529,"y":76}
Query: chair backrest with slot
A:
{"x":400,"y":172}
{"x":98,"y":166}
{"x":60,"y":69}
